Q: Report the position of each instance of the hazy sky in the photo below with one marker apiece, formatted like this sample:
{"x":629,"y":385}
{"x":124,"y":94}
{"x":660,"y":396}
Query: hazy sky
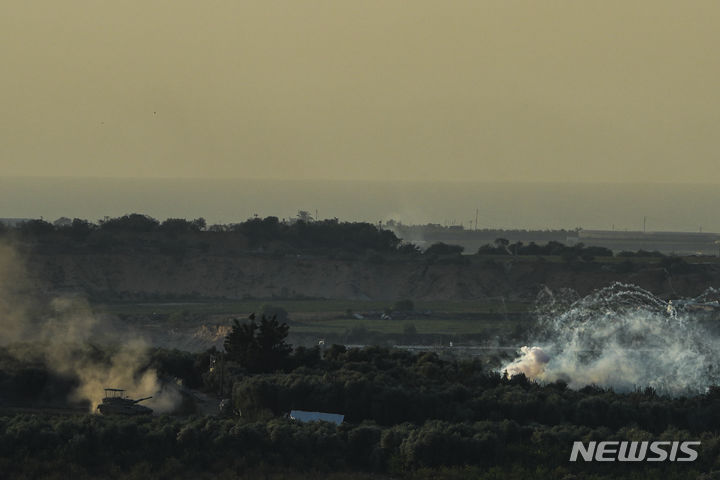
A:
{"x":362,"y":89}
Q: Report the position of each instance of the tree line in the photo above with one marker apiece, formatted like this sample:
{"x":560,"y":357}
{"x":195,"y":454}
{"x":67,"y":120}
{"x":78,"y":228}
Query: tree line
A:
{"x":254,"y":233}
{"x":270,"y":233}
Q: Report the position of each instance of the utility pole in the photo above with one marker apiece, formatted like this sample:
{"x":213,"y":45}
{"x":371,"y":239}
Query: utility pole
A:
{"x":476,"y":217}
{"x":222,"y":375}
{"x":644,"y":222}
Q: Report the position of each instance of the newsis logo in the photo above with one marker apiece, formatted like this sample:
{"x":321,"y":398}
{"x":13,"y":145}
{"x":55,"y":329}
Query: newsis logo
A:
{"x":635,"y":451}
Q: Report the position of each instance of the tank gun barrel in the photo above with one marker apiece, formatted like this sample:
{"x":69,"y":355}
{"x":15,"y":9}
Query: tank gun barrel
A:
{"x":141,"y":399}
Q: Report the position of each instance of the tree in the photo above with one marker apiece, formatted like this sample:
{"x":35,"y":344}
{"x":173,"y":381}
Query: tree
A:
{"x":240,"y":344}
{"x":80,"y":229}
{"x":258,"y":347}
{"x":37,"y":227}
{"x":270,"y":338}
{"x":134,"y":222}
{"x":441,"y":248}
{"x":199,"y":224}
{"x":180,"y":225}
{"x":304,"y":216}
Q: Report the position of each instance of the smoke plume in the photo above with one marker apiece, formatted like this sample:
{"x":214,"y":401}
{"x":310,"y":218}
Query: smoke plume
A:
{"x":622,"y":337}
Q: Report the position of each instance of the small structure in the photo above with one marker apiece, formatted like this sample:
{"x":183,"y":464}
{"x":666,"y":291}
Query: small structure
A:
{"x":305,"y":416}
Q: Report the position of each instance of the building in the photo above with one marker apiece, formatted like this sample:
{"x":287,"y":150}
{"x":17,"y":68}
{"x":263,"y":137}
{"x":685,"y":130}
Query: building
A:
{"x":13,"y":222}
{"x":304,"y":416}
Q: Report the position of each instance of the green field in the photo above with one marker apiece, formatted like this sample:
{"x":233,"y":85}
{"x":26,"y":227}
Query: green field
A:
{"x":323,"y":317}
{"x":309,"y":306}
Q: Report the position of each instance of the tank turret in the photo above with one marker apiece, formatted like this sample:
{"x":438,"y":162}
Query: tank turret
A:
{"x":117,"y":403}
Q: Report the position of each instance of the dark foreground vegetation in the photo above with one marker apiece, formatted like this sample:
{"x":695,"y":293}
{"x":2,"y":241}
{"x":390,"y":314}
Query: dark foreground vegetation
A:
{"x":56,"y":447}
{"x":406,"y":416}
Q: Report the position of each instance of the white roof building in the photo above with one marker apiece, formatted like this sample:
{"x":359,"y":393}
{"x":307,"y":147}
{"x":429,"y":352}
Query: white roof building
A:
{"x":304,"y":416}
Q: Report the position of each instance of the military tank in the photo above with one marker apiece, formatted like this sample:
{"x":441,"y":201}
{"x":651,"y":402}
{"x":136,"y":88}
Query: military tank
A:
{"x":117,"y":403}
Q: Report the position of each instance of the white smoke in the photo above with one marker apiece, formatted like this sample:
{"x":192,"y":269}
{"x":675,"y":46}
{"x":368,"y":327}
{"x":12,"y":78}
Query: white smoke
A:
{"x":66,"y":333}
{"x":625,"y":338}
{"x":531,"y":363}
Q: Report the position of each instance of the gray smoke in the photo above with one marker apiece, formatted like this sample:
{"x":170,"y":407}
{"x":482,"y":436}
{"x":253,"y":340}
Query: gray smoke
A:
{"x":621,"y":337}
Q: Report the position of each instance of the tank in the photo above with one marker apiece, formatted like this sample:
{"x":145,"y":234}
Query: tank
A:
{"x":117,"y":403}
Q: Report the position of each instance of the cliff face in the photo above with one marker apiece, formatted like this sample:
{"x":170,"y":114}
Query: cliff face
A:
{"x":146,"y":275}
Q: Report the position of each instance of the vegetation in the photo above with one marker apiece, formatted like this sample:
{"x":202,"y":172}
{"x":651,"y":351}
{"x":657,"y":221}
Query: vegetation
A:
{"x":406,"y":416}
{"x":196,"y":447}
{"x":303,"y":234}
{"x":258,"y":347}
{"x":641,"y":253}
{"x":504,"y":247}
{"x":178,"y":235}
{"x":441,"y":248}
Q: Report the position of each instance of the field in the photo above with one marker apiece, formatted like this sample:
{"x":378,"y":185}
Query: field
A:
{"x":321,"y":317}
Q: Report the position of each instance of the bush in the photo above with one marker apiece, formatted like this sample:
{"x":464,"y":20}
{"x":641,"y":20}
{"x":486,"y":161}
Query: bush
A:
{"x":441,"y":248}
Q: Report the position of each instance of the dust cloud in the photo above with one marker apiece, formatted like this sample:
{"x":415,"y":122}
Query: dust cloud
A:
{"x":74,"y":341}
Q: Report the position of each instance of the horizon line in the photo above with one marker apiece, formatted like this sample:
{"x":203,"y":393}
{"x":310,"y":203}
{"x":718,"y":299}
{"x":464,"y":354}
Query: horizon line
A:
{"x":353,"y":180}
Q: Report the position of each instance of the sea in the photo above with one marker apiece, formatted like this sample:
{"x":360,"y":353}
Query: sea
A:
{"x":532,"y":206}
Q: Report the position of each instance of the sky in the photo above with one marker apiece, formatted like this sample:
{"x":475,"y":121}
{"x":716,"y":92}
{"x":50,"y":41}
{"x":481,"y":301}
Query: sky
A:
{"x":485,"y":91}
